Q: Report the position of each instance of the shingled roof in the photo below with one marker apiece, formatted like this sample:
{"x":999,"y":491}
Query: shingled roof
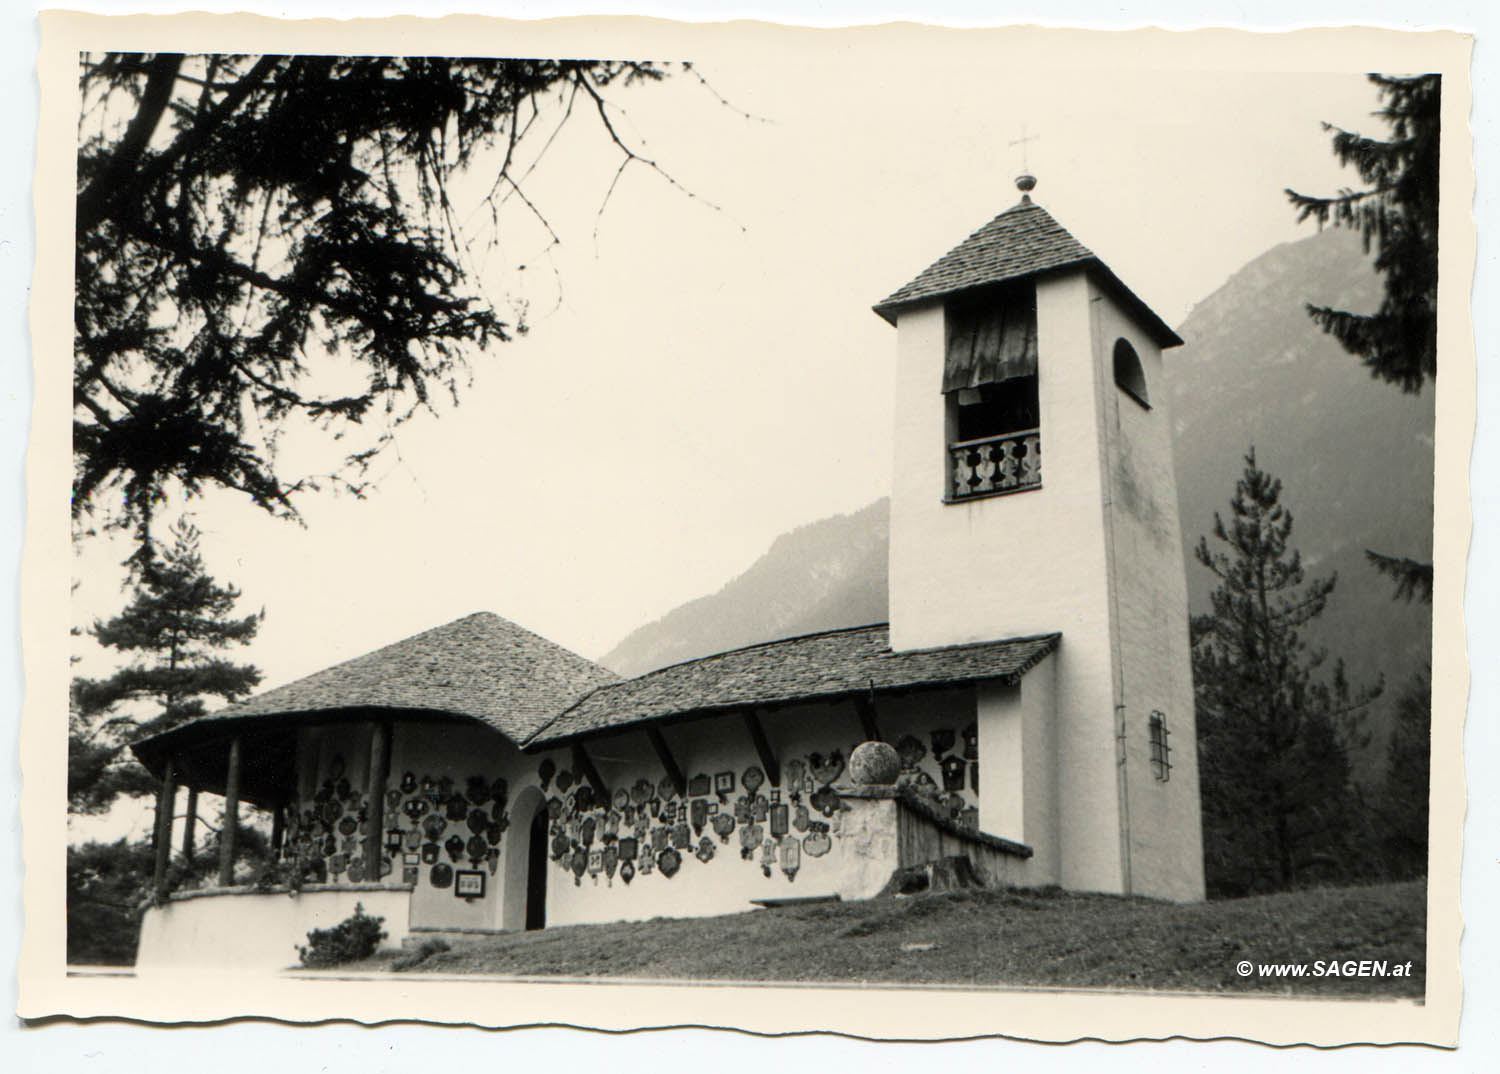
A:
{"x":480,"y":666}
{"x":1022,"y":241}
{"x":837,"y":663}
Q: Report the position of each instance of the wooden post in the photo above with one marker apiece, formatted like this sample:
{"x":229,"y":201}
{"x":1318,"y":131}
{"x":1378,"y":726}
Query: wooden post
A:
{"x":230,"y":831}
{"x":375,"y":793}
{"x":190,"y":825}
{"x":865,"y":706}
{"x":166,"y":800}
{"x":278,"y":827}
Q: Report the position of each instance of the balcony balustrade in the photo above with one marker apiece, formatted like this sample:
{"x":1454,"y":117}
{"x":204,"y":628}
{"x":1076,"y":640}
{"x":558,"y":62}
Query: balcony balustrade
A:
{"x":995,"y":465}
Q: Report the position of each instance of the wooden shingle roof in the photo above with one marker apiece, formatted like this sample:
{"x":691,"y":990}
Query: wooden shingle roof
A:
{"x":480,"y":666}
{"x":1021,"y":242}
{"x":816,"y":666}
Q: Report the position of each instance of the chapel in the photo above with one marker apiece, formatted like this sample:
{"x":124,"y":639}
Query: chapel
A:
{"x":1033,"y":684}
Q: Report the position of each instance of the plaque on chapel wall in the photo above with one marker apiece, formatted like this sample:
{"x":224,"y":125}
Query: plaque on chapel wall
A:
{"x":668,"y":862}
{"x":468,"y":884}
{"x":827,"y":769}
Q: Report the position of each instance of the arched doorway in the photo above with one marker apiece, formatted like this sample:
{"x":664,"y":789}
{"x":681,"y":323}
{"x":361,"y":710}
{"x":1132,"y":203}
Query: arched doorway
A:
{"x":526,"y":863}
{"x":536,"y":873}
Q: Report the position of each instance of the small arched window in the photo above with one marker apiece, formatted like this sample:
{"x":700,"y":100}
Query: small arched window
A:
{"x":1128,"y":372}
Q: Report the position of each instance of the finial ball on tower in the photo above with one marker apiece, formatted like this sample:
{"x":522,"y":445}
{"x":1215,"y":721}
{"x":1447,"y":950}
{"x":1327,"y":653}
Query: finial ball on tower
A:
{"x":1025,"y":183}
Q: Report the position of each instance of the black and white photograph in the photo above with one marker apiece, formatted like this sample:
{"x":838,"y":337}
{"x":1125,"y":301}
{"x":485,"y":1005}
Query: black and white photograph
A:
{"x":927,"y":532}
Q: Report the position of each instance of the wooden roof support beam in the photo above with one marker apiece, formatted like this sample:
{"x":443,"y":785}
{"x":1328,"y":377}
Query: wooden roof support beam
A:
{"x":229,"y":832}
{"x":763,"y":747}
{"x":865,"y":706}
{"x":583,"y":763}
{"x":668,"y":762}
{"x":189,"y":826}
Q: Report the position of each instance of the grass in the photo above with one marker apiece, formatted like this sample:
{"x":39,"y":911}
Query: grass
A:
{"x":1024,"y":938}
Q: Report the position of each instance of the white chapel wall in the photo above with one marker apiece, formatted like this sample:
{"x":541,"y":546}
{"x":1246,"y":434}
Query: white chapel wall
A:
{"x":728,"y":879}
{"x":1017,"y":740}
{"x":1163,"y":817}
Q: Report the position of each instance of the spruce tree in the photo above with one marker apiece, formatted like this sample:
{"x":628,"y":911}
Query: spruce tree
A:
{"x":177,"y":621}
{"x":1273,"y":738}
{"x":1396,"y":213}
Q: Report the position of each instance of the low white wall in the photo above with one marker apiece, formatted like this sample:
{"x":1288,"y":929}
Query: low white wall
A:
{"x":883,"y":833}
{"x":243,"y":930}
{"x":871,"y":845}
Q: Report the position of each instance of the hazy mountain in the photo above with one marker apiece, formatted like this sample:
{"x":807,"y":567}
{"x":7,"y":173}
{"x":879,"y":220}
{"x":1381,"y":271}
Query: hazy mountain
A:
{"x":822,"y":576}
{"x":1354,"y":455}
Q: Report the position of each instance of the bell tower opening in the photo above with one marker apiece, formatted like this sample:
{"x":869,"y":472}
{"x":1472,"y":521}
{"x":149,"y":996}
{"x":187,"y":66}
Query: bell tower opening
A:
{"x":990,"y":387}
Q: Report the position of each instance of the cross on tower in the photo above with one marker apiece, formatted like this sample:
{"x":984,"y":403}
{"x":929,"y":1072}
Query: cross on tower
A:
{"x":1021,"y":141}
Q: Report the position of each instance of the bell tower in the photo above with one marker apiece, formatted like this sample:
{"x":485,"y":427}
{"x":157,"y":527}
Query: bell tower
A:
{"x":1033,"y":492}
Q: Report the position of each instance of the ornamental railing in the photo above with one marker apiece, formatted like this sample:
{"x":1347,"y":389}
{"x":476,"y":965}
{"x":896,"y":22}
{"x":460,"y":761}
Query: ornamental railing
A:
{"x":995,"y":465}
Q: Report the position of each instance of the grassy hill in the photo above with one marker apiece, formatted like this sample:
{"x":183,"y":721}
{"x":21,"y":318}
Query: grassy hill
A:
{"x":1043,"y":938}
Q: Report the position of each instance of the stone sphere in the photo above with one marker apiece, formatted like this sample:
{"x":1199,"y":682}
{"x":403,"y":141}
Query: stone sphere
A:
{"x":874,"y":764}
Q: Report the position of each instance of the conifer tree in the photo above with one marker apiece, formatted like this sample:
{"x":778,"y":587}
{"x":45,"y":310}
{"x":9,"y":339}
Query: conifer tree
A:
{"x":1397,"y":216}
{"x":240,"y":219}
{"x":177,"y":621}
{"x":1402,"y":806}
{"x":1273,"y":738}
{"x":1396,"y":213}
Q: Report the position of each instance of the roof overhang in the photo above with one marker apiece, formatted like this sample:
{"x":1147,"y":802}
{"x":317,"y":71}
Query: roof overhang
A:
{"x":199,"y":749}
{"x":623,"y":721}
{"x":1159,"y":331}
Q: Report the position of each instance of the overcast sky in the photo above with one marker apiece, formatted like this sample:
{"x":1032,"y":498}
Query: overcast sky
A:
{"x":703,"y":371}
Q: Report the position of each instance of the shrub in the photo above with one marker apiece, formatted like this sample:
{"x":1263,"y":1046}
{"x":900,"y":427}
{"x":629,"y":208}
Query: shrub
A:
{"x":352,"y":939}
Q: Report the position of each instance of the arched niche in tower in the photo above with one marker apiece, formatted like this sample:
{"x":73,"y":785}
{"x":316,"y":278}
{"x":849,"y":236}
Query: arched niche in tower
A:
{"x":1129,"y":375}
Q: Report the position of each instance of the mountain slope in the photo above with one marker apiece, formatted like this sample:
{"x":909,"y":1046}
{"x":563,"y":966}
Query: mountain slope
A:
{"x":1354,"y":454}
{"x":821,"y":576}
